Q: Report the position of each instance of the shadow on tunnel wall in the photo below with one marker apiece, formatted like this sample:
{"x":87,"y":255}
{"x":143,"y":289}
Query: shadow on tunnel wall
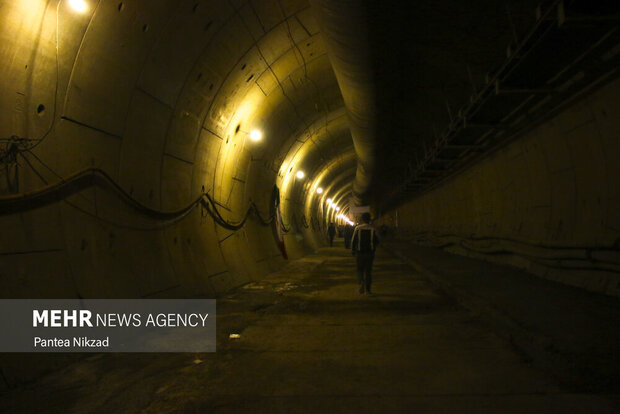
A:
{"x":549,"y":202}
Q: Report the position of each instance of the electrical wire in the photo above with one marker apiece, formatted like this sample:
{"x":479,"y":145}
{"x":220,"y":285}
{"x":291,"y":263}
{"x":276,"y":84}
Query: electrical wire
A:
{"x":60,"y":191}
{"x":84,"y":179}
{"x":556,"y":256}
{"x":304,"y":222}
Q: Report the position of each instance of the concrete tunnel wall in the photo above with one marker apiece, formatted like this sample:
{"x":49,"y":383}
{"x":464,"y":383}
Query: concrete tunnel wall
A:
{"x":548,"y":202}
{"x":161,"y":95}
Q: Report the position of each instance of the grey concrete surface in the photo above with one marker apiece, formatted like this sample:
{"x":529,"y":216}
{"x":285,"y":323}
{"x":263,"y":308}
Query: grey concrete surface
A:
{"x":162,"y":96}
{"x":310,"y":343}
{"x":568,"y":332}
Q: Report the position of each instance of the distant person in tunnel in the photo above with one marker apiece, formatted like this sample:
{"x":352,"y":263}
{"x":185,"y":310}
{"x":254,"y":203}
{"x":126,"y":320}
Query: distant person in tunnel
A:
{"x":331,"y":232}
{"x":363,"y":246}
{"x":348,"y":233}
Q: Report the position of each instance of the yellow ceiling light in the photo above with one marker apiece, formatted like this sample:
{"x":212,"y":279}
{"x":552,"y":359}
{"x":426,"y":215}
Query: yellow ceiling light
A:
{"x":337,"y":208}
{"x":79,"y":6}
{"x":256,"y":135}
{"x":329,"y":201}
{"x":319,"y":190}
{"x":300,"y":174}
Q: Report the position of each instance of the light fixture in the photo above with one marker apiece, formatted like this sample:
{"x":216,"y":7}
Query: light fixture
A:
{"x":337,"y":208}
{"x":256,"y":135}
{"x":329,"y":201}
{"x":79,"y":6}
{"x":300,"y":174}
{"x":319,"y":190}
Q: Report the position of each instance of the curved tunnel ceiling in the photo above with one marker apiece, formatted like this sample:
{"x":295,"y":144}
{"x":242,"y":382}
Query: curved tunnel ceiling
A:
{"x":126,"y":136}
{"x":327,"y":140}
{"x":162,"y":96}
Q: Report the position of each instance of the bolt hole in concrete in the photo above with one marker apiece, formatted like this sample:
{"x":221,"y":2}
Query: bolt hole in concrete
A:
{"x":208,"y":25}
{"x":237,"y":128}
{"x":195,"y":8}
{"x":243,"y":66}
{"x":121,"y":6}
{"x":145,"y":28}
{"x":250,"y":78}
{"x":40,"y":109}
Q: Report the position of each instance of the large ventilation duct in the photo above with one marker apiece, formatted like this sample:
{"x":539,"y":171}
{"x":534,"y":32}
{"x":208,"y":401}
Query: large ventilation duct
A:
{"x":344,"y":24}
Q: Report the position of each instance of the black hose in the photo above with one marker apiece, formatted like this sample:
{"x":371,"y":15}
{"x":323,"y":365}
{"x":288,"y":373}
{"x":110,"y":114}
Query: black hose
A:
{"x":52,"y":193}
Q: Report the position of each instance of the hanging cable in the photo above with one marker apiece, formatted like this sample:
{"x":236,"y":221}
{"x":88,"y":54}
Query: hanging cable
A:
{"x":60,"y":191}
{"x":304,"y":221}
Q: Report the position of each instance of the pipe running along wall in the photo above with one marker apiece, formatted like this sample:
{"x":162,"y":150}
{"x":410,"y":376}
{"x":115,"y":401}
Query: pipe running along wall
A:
{"x":345,"y":24}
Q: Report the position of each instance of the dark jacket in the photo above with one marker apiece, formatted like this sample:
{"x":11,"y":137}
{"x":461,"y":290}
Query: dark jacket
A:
{"x":331,"y":231}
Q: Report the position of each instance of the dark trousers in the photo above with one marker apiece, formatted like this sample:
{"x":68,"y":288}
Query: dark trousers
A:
{"x":364,"y":270}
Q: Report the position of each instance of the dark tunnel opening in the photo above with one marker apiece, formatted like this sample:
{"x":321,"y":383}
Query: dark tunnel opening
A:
{"x":191,"y":149}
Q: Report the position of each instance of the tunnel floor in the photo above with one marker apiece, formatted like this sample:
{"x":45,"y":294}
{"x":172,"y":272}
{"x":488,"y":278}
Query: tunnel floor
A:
{"x":310,"y":343}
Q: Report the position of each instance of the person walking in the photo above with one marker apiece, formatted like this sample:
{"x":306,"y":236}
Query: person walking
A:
{"x":348,"y":233}
{"x":331,"y":232}
{"x":363,"y":245}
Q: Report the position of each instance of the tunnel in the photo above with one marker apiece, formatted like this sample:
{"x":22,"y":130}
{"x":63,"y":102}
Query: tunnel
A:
{"x":201,"y":149}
